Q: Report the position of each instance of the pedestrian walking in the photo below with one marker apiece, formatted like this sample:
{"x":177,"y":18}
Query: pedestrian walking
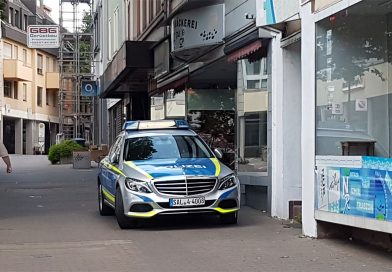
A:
{"x":6,"y":158}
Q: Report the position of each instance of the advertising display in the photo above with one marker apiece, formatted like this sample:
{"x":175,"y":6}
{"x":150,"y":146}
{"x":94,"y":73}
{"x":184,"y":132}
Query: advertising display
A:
{"x":359,"y":186}
{"x":43,"y":36}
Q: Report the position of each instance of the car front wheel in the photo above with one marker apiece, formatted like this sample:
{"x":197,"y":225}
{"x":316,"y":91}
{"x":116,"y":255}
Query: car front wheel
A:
{"x":123,"y":221}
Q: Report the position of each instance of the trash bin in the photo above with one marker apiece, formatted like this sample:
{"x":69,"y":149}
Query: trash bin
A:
{"x":80,"y":141}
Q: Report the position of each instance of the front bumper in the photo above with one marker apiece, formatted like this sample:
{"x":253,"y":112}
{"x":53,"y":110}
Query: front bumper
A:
{"x":217,"y":201}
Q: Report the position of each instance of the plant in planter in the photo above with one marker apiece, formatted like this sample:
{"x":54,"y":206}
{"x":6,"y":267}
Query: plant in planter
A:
{"x":64,"y":150}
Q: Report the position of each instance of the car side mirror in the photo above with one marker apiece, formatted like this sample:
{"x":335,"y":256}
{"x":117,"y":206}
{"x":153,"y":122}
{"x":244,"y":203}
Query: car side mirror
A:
{"x":218,"y":153}
{"x":114,"y":158}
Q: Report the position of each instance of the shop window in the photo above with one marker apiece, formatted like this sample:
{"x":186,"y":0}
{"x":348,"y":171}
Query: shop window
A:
{"x":175,"y":104}
{"x":157,"y":107}
{"x":353,"y":97}
{"x":253,"y":143}
{"x":252,"y":117}
{"x":7,"y":88}
{"x":211,"y":113}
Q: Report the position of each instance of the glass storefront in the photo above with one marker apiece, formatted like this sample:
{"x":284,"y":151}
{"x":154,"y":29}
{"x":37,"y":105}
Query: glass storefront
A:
{"x":353,"y":69}
{"x":353,"y":112}
{"x":252,"y":107}
{"x":211,"y":113}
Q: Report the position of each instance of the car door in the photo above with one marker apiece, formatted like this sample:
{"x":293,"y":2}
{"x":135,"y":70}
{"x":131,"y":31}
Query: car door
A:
{"x":114,"y":160}
{"x":108,"y":175}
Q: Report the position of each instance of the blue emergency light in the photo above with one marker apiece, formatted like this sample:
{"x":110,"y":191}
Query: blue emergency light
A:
{"x":156,"y":124}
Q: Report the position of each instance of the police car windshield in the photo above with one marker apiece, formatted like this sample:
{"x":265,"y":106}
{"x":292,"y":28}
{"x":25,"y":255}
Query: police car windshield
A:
{"x":165,"y":147}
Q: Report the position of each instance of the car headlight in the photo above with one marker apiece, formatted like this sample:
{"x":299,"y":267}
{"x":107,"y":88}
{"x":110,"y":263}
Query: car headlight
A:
{"x":227,"y":182}
{"x":137,"y":185}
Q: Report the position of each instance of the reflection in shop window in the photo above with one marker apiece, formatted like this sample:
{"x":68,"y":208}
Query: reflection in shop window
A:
{"x":252,"y":117}
{"x":352,"y":80}
{"x":175,"y":104}
{"x":157,"y":107}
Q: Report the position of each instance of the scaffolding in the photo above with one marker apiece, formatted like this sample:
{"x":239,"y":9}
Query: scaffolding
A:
{"x":76,"y":61}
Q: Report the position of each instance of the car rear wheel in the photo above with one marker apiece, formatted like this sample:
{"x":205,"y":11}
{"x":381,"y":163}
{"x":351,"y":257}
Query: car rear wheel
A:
{"x":123,"y":221}
{"x":229,"y":218}
{"x":104,"y":209}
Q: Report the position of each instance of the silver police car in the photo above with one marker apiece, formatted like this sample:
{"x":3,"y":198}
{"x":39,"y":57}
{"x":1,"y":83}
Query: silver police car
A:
{"x":164,"y":168}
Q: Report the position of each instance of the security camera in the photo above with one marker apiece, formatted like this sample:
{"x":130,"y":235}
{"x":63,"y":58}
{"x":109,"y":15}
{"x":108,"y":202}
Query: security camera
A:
{"x":249,"y":16}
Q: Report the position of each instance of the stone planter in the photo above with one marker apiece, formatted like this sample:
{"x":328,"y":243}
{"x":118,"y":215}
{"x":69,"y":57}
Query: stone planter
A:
{"x":66,"y":160}
{"x":81,"y":159}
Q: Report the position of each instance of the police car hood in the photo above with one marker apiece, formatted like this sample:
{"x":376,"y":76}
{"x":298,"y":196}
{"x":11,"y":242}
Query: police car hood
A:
{"x":163,"y":168}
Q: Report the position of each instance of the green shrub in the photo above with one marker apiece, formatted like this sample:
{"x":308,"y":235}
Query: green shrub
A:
{"x":64,"y":149}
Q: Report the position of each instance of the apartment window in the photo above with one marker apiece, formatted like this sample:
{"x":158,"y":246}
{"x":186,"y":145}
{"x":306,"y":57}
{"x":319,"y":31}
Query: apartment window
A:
{"x":47,"y":67}
{"x":15,"y":52}
{"x":47,"y":98}
{"x":25,"y":22}
{"x":16,"y":90}
{"x":11,"y":16}
{"x":25,"y":57}
{"x":17,"y":19}
{"x":144,"y":14}
{"x":158,"y":5}
{"x":7,"y":50}
{"x":7,"y":88}
{"x":110,"y":31}
{"x":55,"y":100}
{"x":97,"y":32}
{"x":115,"y":31}
{"x":54,"y":68}
{"x":40,"y":64}
{"x":39,"y":96}
{"x":24,"y":92}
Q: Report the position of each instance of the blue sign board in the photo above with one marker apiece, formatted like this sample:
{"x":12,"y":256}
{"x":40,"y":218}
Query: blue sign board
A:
{"x":364,"y":191}
{"x":89,"y":88}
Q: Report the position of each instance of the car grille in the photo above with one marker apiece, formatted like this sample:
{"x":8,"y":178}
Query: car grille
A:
{"x":188,"y":187}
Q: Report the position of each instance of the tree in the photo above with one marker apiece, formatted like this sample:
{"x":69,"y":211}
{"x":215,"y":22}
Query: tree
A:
{"x":2,"y":10}
{"x":85,"y":46}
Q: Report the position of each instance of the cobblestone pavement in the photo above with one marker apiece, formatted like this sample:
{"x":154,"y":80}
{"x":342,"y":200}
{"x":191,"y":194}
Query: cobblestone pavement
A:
{"x":49,"y":222}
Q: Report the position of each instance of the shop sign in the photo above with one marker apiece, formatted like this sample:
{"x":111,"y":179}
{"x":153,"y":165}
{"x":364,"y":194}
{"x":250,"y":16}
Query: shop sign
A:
{"x":199,"y":27}
{"x":359,"y":186}
{"x":43,"y":36}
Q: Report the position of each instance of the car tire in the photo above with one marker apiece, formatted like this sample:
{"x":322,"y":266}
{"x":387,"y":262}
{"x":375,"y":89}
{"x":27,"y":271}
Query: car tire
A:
{"x":229,"y":218}
{"x":104,"y":209}
{"x":123,"y":221}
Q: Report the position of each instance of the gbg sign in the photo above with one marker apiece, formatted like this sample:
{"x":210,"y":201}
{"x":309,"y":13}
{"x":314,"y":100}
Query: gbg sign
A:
{"x":43,"y":36}
{"x":199,"y":27}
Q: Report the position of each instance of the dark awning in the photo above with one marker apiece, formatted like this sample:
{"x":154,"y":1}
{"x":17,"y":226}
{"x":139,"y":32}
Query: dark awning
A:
{"x":129,"y":70}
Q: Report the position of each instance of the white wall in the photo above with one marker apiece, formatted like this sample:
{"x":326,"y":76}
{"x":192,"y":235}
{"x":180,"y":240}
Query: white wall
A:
{"x":292,"y":176}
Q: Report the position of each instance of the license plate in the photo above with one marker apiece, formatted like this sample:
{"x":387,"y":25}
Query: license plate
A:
{"x":186,"y":202}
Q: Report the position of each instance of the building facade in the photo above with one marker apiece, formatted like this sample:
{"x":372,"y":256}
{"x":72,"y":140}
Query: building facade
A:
{"x":30,"y":83}
{"x":217,"y":64}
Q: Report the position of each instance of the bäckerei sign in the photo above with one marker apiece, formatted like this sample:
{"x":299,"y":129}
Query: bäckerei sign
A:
{"x":196,"y":28}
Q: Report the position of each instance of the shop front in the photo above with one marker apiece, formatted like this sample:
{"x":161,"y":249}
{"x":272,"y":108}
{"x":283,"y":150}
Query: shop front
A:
{"x":352,"y":117}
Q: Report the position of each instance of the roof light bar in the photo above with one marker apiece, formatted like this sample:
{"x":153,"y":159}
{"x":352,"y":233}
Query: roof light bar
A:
{"x":159,"y":124}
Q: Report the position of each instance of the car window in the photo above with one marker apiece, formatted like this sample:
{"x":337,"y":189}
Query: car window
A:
{"x":115,"y":147}
{"x":165,"y":147}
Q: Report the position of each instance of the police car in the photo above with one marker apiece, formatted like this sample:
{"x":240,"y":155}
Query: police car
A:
{"x":164,"y":168}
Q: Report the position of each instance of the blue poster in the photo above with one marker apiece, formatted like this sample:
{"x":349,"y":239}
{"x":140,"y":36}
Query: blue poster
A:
{"x":365,"y":191}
